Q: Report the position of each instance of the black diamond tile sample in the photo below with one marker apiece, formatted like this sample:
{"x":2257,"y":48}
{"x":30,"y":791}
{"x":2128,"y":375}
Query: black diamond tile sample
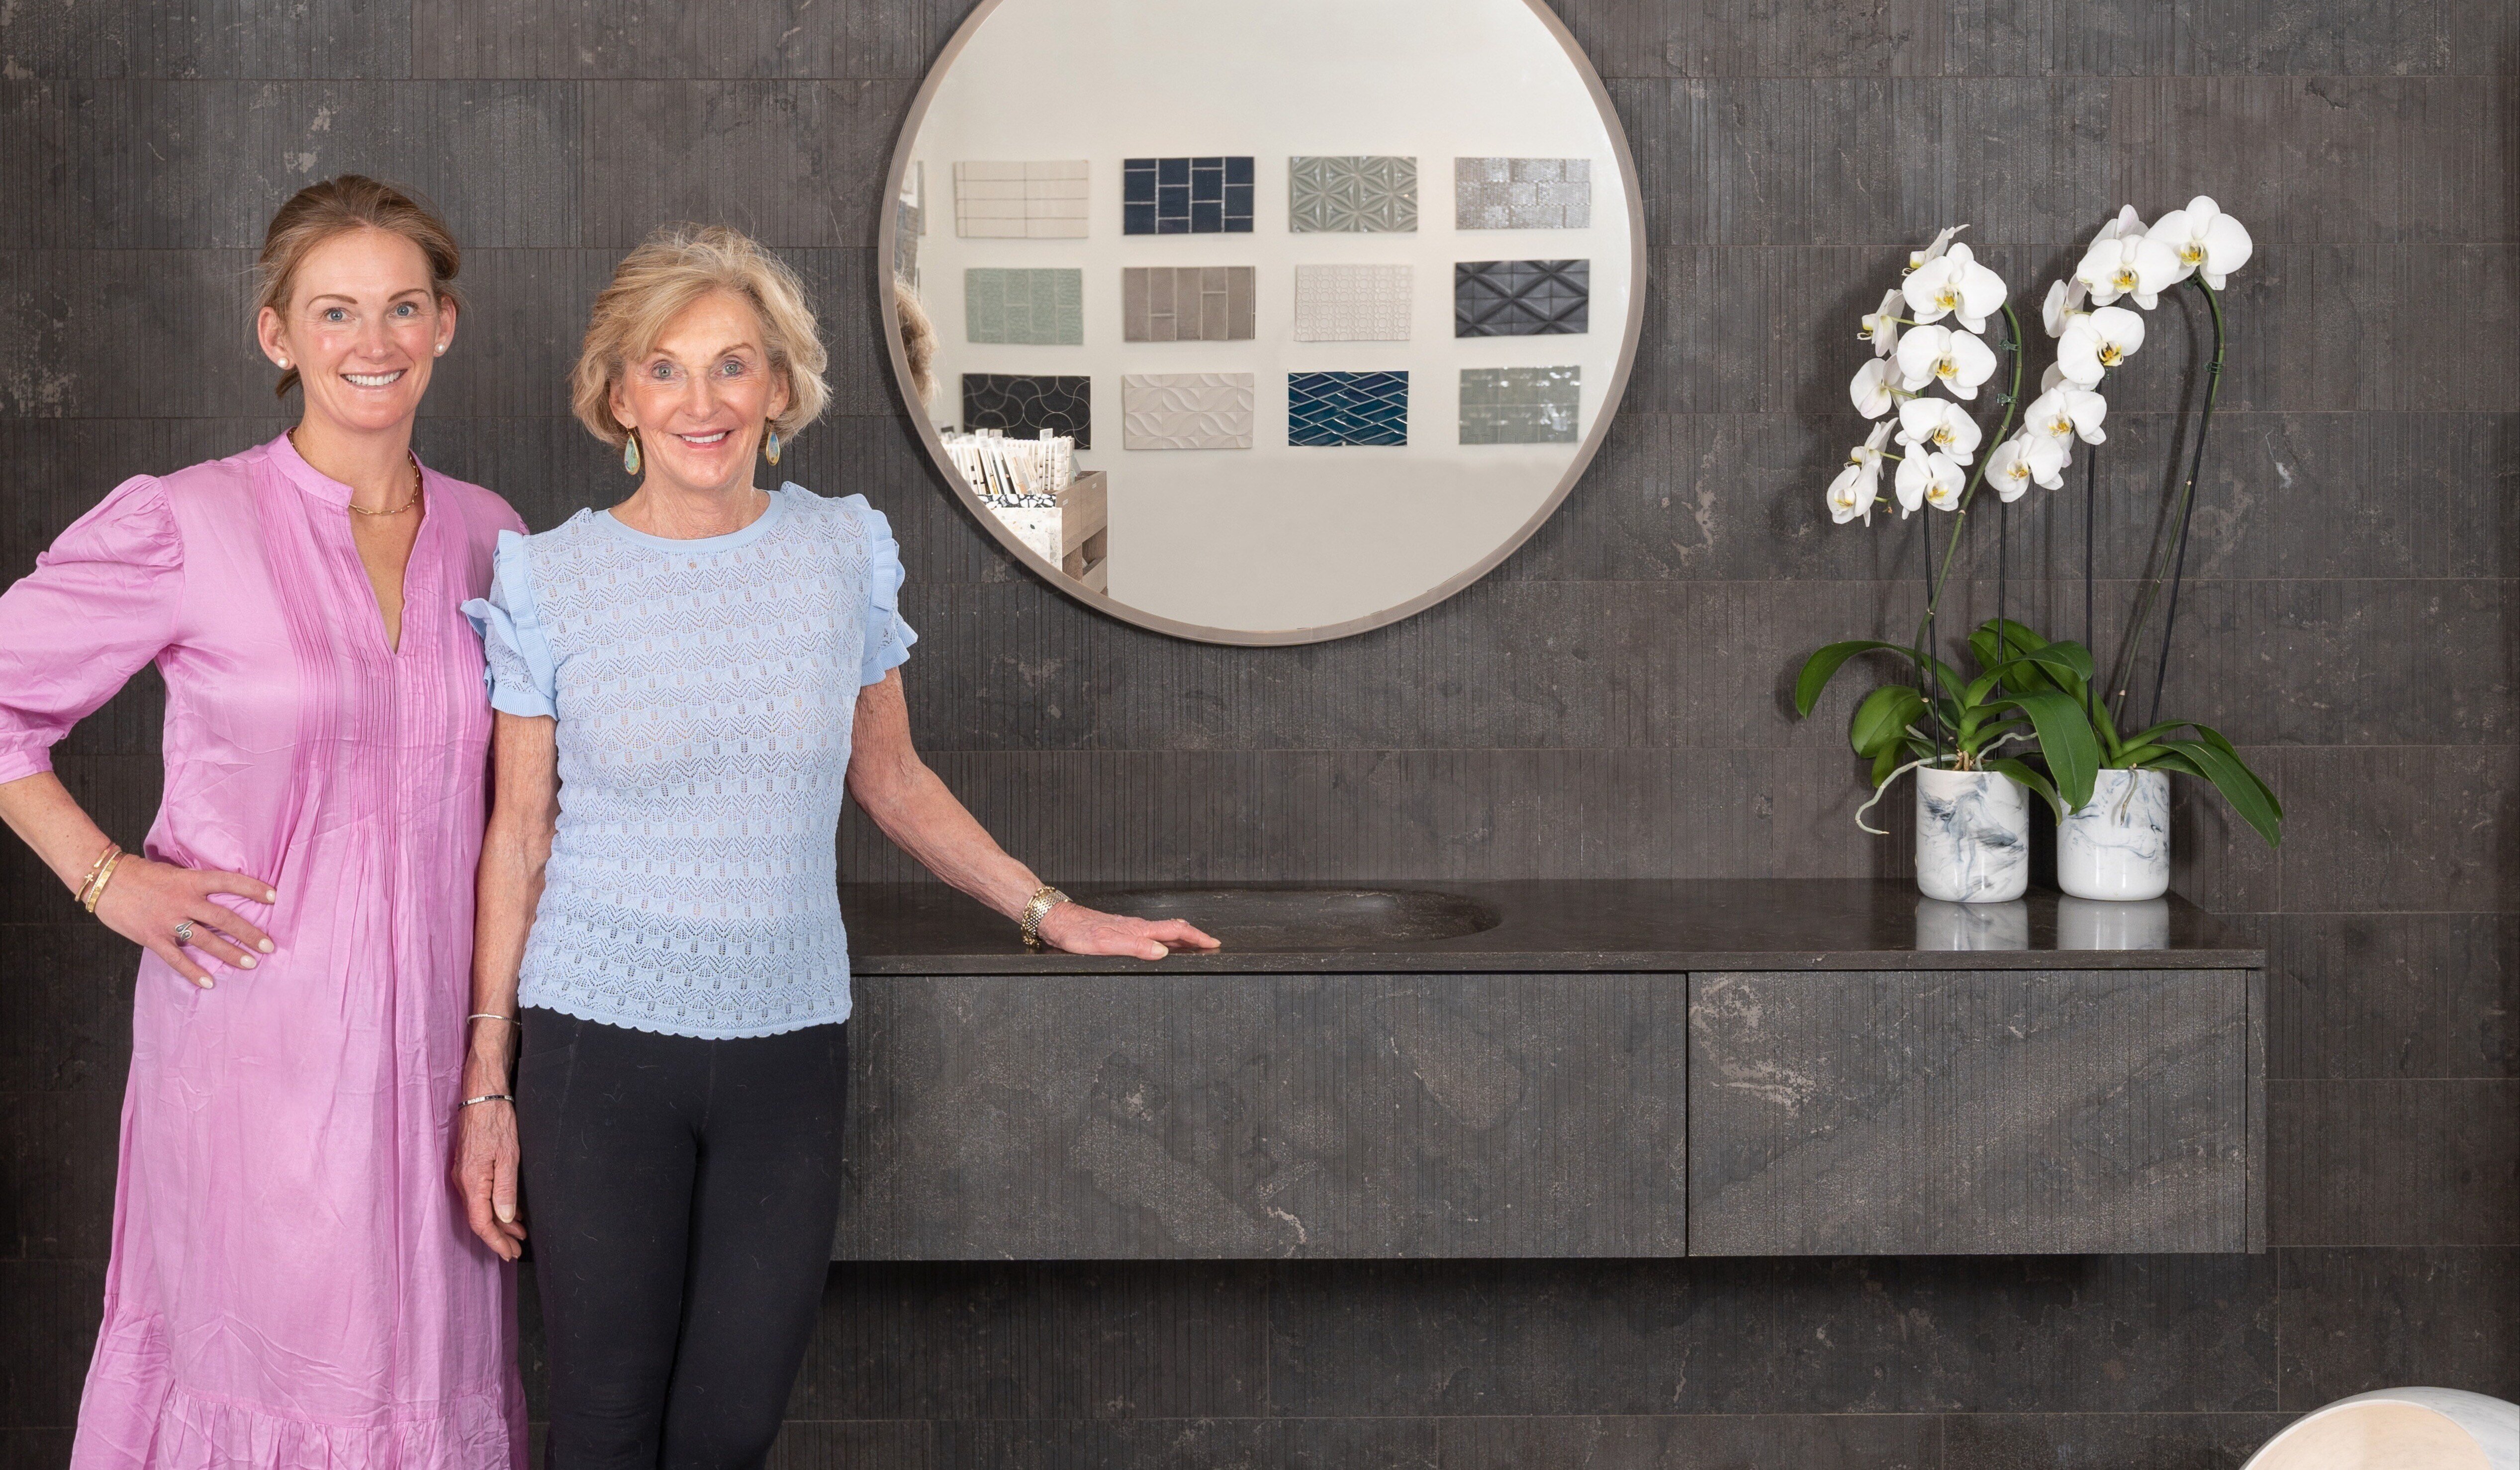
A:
{"x":1185,"y":195}
{"x":1521,"y":298}
{"x":1023,"y":405}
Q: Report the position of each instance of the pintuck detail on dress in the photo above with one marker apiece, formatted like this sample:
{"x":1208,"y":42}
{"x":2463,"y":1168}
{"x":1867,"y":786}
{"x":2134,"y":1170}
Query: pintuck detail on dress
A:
{"x":705,"y":692}
{"x":292,"y":1285}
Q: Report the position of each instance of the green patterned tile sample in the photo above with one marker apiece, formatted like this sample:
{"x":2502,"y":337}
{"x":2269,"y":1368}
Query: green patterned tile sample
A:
{"x":1038,"y":308}
{"x":1522,"y":405}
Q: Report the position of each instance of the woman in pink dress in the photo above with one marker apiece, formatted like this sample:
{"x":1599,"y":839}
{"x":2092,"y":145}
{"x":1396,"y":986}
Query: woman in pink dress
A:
{"x":292,"y":1283}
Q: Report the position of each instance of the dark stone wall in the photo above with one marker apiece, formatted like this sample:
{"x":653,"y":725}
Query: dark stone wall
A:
{"x":1607,"y":704}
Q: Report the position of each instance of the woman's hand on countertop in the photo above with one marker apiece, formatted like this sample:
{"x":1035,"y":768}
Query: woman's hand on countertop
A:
{"x":1079,"y":930}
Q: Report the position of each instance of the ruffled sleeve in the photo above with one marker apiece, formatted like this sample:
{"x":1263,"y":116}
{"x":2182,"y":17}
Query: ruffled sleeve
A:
{"x":522,"y":676}
{"x":99,"y":606}
{"x":888,"y":637}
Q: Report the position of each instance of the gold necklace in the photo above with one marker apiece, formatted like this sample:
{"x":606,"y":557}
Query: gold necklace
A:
{"x":356,"y":508}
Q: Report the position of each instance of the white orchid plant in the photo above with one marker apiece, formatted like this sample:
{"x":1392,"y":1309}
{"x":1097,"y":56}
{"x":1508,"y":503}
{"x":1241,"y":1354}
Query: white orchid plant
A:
{"x":1929,"y":335}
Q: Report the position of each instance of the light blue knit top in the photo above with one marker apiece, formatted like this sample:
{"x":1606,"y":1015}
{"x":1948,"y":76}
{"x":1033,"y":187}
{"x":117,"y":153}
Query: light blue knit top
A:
{"x":705,"y":692}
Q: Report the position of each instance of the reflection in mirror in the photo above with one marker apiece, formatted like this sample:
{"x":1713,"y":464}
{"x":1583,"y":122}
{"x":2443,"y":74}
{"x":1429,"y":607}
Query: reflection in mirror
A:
{"x":1267,"y":322}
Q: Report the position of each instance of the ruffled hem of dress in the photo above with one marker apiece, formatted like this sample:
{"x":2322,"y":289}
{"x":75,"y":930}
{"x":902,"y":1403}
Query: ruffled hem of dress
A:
{"x":199,"y":1432}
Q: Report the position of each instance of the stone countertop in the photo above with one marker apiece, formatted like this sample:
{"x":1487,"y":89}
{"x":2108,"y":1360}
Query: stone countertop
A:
{"x":1560,"y":925}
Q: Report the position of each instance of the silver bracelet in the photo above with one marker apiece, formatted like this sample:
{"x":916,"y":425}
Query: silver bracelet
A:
{"x":506,"y":1098}
{"x":489,"y":1016}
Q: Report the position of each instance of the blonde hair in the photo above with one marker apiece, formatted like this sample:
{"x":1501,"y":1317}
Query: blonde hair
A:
{"x":918,"y":341}
{"x":318,"y":213}
{"x":673,"y":268}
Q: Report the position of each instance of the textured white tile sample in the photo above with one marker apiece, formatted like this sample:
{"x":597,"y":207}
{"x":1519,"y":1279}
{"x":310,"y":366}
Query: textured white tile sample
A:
{"x":1522,"y":194}
{"x":1352,"y":303}
{"x":1037,"y":201}
{"x":1186,"y":410}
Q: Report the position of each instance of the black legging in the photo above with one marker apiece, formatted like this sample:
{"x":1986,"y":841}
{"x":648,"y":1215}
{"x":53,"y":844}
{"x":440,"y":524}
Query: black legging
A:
{"x":680,"y":1195}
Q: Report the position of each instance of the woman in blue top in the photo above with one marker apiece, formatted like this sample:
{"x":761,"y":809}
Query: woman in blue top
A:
{"x":684,"y":685}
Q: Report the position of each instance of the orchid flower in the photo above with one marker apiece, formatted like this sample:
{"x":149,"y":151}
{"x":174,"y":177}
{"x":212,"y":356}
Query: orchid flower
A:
{"x":1853,"y":493}
{"x":2204,"y":241}
{"x":1881,"y":326}
{"x":1917,"y":259}
{"x":1927,"y":478}
{"x":1875,"y":387}
{"x":2023,"y":459}
{"x":1954,"y":283}
{"x":2061,"y":412}
{"x":1959,"y":360}
{"x":2091,"y":345}
{"x":2133,"y":265}
{"x":1941,"y":425}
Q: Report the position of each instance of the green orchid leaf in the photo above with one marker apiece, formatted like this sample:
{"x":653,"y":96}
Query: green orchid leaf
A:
{"x":1824,"y":664}
{"x":2065,"y":740}
{"x":2022,"y":772}
{"x":2215,"y":737}
{"x":2134,"y":758}
{"x":2238,"y":785}
{"x":1886,"y":762}
{"x":1882,"y":721}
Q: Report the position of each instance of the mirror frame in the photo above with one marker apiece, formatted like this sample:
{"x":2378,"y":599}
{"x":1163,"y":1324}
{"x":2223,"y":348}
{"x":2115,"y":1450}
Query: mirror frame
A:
{"x":940,"y":465}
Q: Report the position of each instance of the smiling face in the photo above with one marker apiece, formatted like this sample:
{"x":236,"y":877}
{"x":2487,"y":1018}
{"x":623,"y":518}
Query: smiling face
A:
{"x":701,"y":398}
{"x":362,"y":328}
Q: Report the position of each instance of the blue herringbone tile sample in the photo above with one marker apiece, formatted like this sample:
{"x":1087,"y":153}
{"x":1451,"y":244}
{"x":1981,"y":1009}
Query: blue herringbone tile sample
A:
{"x":1347,"y":408}
{"x":1185,"y":195}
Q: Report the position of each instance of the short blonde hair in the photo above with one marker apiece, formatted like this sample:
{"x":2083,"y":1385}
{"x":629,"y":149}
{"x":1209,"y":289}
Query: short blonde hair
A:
{"x":673,"y":268}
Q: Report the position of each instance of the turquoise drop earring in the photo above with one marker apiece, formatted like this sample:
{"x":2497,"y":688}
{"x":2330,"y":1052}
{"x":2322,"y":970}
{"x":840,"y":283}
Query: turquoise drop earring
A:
{"x":630,"y":455}
{"x":770,"y":446}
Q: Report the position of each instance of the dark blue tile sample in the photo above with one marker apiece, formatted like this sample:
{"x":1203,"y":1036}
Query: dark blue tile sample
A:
{"x":1185,"y":195}
{"x":1347,"y":408}
{"x":1024,"y":404}
{"x":1521,"y":298}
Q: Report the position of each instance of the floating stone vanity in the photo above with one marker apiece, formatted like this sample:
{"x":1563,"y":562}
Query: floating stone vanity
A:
{"x":1554,"y":1069}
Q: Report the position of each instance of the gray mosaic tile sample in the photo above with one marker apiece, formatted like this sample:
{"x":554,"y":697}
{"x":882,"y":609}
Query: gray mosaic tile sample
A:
{"x":1187,"y":410}
{"x":1187,"y":303}
{"x":1522,"y":405}
{"x":1353,"y":304}
{"x":1360,"y":194}
{"x":1522,"y":194}
{"x":1022,"y":201}
{"x":1042,"y":308}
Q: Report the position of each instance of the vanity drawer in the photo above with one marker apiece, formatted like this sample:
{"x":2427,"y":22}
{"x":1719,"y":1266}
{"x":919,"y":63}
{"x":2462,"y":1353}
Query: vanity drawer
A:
{"x":1975,"y":1112}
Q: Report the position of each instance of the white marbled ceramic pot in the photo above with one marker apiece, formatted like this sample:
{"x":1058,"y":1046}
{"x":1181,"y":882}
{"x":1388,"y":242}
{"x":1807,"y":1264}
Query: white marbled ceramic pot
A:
{"x":1972,"y":836}
{"x":2116,"y":847}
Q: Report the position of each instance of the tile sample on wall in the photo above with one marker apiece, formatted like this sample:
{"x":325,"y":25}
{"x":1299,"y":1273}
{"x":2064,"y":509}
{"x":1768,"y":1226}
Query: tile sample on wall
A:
{"x":1187,"y":303}
{"x":1522,"y":405}
{"x":1040,"y":309}
{"x":1521,"y":298}
{"x":1024,"y":404}
{"x":1347,"y":408}
{"x":1352,"y":303}
{"x":1522,"y":194}
{"x":1352,"y":195}
{"x":1185,"y":195}
{"x":1187,"y":410}
{"x":1039,"y":201}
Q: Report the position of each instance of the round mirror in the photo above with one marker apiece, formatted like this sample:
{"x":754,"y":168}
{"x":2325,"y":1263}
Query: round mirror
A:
{"x":1264,"y":321}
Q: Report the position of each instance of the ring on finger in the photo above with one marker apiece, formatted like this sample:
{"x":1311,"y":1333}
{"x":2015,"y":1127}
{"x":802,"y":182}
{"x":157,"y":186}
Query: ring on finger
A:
{"x":184,"y":932}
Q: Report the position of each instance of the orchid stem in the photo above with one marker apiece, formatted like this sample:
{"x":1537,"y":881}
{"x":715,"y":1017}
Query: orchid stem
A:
{"x":2187,"y":498}
{"x":1960,"y":519}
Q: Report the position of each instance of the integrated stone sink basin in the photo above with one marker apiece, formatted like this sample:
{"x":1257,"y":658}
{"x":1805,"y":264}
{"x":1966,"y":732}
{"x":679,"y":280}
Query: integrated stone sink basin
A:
{"x":1295,"y":916}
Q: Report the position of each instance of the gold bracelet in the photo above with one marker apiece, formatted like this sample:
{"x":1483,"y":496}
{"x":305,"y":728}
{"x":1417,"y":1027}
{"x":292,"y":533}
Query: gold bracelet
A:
{"x":1044,"y":899}
{"x":94,"y":868}
{"x":96,"y":891}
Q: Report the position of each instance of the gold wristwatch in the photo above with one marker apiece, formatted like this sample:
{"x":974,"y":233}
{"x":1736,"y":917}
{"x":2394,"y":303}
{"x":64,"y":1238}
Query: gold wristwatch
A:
{"x":1044,"y":899}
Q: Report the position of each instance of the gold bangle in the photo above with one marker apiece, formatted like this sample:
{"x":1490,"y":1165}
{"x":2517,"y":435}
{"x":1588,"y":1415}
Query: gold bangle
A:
{"x":1044,"y":899}
{"x":96,"y":886}
{"x":94,"y":868}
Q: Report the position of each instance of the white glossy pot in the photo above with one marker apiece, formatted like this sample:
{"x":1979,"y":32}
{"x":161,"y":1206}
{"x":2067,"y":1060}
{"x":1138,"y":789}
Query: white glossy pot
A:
{"x":2116,"y":847}
{"x":1972,"y":836}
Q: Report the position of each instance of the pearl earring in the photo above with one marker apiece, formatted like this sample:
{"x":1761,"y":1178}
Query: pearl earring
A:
{"x":283,"y":365}
{"x":441,"y":349}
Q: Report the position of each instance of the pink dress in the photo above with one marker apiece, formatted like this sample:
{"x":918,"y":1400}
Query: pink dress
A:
{"x":292,"y":1282}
